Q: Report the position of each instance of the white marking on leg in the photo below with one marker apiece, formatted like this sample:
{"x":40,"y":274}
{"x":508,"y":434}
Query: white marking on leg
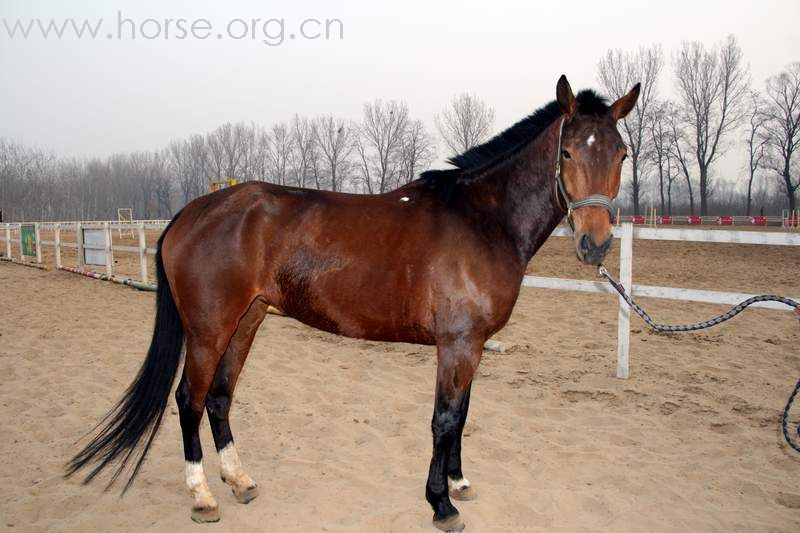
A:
{"x":590,"y":140}
{"x":231,"y":468}
{"x":457,"y":484}
{"x":198,"y":486}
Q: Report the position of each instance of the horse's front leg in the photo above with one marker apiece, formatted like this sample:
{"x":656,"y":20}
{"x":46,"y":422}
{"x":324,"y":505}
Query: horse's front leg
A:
{"x":457,"y":361}
{"x":459,"y":485}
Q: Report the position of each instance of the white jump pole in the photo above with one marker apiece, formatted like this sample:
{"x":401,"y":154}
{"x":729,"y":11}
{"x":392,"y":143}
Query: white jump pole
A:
{"x":81,"y":251}
{"x":107,"y":247}
{"x":57,"y":244}
{"x":624,"y":314}
{"x":8,"y":241}
{"x":38,"y":243}
{"x":142,"y":252}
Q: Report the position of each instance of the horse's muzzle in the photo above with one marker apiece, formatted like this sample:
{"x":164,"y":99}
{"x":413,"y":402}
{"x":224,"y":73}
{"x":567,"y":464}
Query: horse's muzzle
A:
{"x":589,"y":252}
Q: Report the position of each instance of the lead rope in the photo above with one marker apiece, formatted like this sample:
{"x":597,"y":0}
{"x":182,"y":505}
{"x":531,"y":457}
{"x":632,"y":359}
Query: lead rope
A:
{"x":732,"y":312}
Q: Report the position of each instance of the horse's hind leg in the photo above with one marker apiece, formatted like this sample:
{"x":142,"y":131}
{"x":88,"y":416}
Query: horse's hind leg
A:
{"x":220,"y":397}
{"x":202,"y":358}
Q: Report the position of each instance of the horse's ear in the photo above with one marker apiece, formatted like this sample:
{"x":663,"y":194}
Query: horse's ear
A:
{"x":624,"y":105}
{"x":564,"y":96}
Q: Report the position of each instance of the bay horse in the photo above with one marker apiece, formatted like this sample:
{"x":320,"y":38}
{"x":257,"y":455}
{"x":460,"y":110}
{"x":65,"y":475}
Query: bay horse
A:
{"x":438,"y":261}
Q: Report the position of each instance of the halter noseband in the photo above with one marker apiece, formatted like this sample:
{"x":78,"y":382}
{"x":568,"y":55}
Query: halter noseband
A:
{"x":599,"y":200}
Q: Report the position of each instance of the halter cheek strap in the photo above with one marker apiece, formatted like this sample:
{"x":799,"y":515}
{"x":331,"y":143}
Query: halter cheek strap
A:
{"x":562,"y":198}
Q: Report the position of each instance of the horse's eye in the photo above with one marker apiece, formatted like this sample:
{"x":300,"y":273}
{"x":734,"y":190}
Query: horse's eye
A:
{"x":624,"y":157}
{"x":565,"y":154}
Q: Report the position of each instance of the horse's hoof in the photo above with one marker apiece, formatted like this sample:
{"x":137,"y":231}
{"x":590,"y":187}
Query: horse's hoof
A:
{"x":246,"y":495}
{"x":450,"y":524}
{"x":464,"y":494}
{"x":205,"y":514}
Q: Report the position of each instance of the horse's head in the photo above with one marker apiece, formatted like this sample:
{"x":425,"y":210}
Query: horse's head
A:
{"x":589,"y":166}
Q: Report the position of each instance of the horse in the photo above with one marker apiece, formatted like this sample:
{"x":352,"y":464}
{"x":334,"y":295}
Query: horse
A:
{"x":438,"y":261}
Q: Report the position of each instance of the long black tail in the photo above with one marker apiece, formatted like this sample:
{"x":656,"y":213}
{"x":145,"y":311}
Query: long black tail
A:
{"x":129,"y":428}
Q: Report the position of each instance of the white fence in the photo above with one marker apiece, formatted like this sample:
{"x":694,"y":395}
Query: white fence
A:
{"x":8,"y":231}
{"x":626,"y":233}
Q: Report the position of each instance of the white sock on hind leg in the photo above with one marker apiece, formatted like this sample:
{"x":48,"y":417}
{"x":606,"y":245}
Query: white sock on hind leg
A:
{"x":198,"y":486}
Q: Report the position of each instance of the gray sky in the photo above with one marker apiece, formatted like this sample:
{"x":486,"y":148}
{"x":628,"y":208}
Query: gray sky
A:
{"x":94,"y":97}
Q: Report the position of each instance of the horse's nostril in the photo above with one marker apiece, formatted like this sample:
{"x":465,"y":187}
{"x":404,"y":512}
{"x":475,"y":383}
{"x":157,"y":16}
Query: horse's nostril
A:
{"x":586,"y":243}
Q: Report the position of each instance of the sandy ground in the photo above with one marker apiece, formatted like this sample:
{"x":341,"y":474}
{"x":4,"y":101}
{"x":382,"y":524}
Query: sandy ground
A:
{"x":336,"y":431}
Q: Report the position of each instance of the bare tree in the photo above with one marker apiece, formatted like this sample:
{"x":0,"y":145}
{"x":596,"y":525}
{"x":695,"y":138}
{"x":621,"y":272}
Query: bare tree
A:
{"x":417,"y":151}
{"x":302,"y":153}
{"x":756,"y":142}
{"x":617,"y":72}
{"x":782,"y":128}
{"x":215,"y":157}
{"x":466,"y":122}
{"x":225,"y":143}
{"x":190,"y":165}
{"x":712,"y":87}
{"x":379,"y":144}
{"x":661,"y":143}
{"x":334,"y":138}
{"x":201,"y":167}
{"x":162,"y":183}
{"x":680,"y":155}
{"x":280,"y":150}
{"x":261,"y":158}
{"x":247,"y":134}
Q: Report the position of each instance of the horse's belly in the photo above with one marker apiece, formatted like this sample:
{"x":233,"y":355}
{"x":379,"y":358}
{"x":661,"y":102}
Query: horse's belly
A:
{"x":365,"y":314}
{"x":360,"y":327}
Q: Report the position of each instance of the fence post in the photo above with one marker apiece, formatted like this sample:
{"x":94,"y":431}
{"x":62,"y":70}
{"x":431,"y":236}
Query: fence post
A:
{"x":624,"y":315}
{"x":38,"y":243}
{"x":8,"y":240}
{"x":79,"y":238}
{"x":142,"y":252}
{"x":107,"y":245}
{"x":57,"y":244}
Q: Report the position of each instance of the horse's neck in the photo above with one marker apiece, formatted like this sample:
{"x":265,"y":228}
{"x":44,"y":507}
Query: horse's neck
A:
{"x":522,"y":195}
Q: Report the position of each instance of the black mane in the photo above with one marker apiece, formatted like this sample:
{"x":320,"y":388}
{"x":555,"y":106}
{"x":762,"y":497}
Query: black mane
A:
{"x":507,"y":143}
{"x":524,"y":131}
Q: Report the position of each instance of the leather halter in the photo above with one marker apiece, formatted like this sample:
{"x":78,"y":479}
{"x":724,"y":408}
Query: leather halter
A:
{"x":562,"y":199}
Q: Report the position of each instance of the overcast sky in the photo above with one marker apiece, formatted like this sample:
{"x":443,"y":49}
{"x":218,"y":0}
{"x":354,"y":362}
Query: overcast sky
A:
{"x":97,"y":96}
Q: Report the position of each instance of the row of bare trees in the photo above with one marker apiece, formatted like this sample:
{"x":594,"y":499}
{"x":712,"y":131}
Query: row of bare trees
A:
{"x":674,"y":144}
{"x":674,"y":147}
{"x":386,"y":149}
{"x":35,"y":185}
